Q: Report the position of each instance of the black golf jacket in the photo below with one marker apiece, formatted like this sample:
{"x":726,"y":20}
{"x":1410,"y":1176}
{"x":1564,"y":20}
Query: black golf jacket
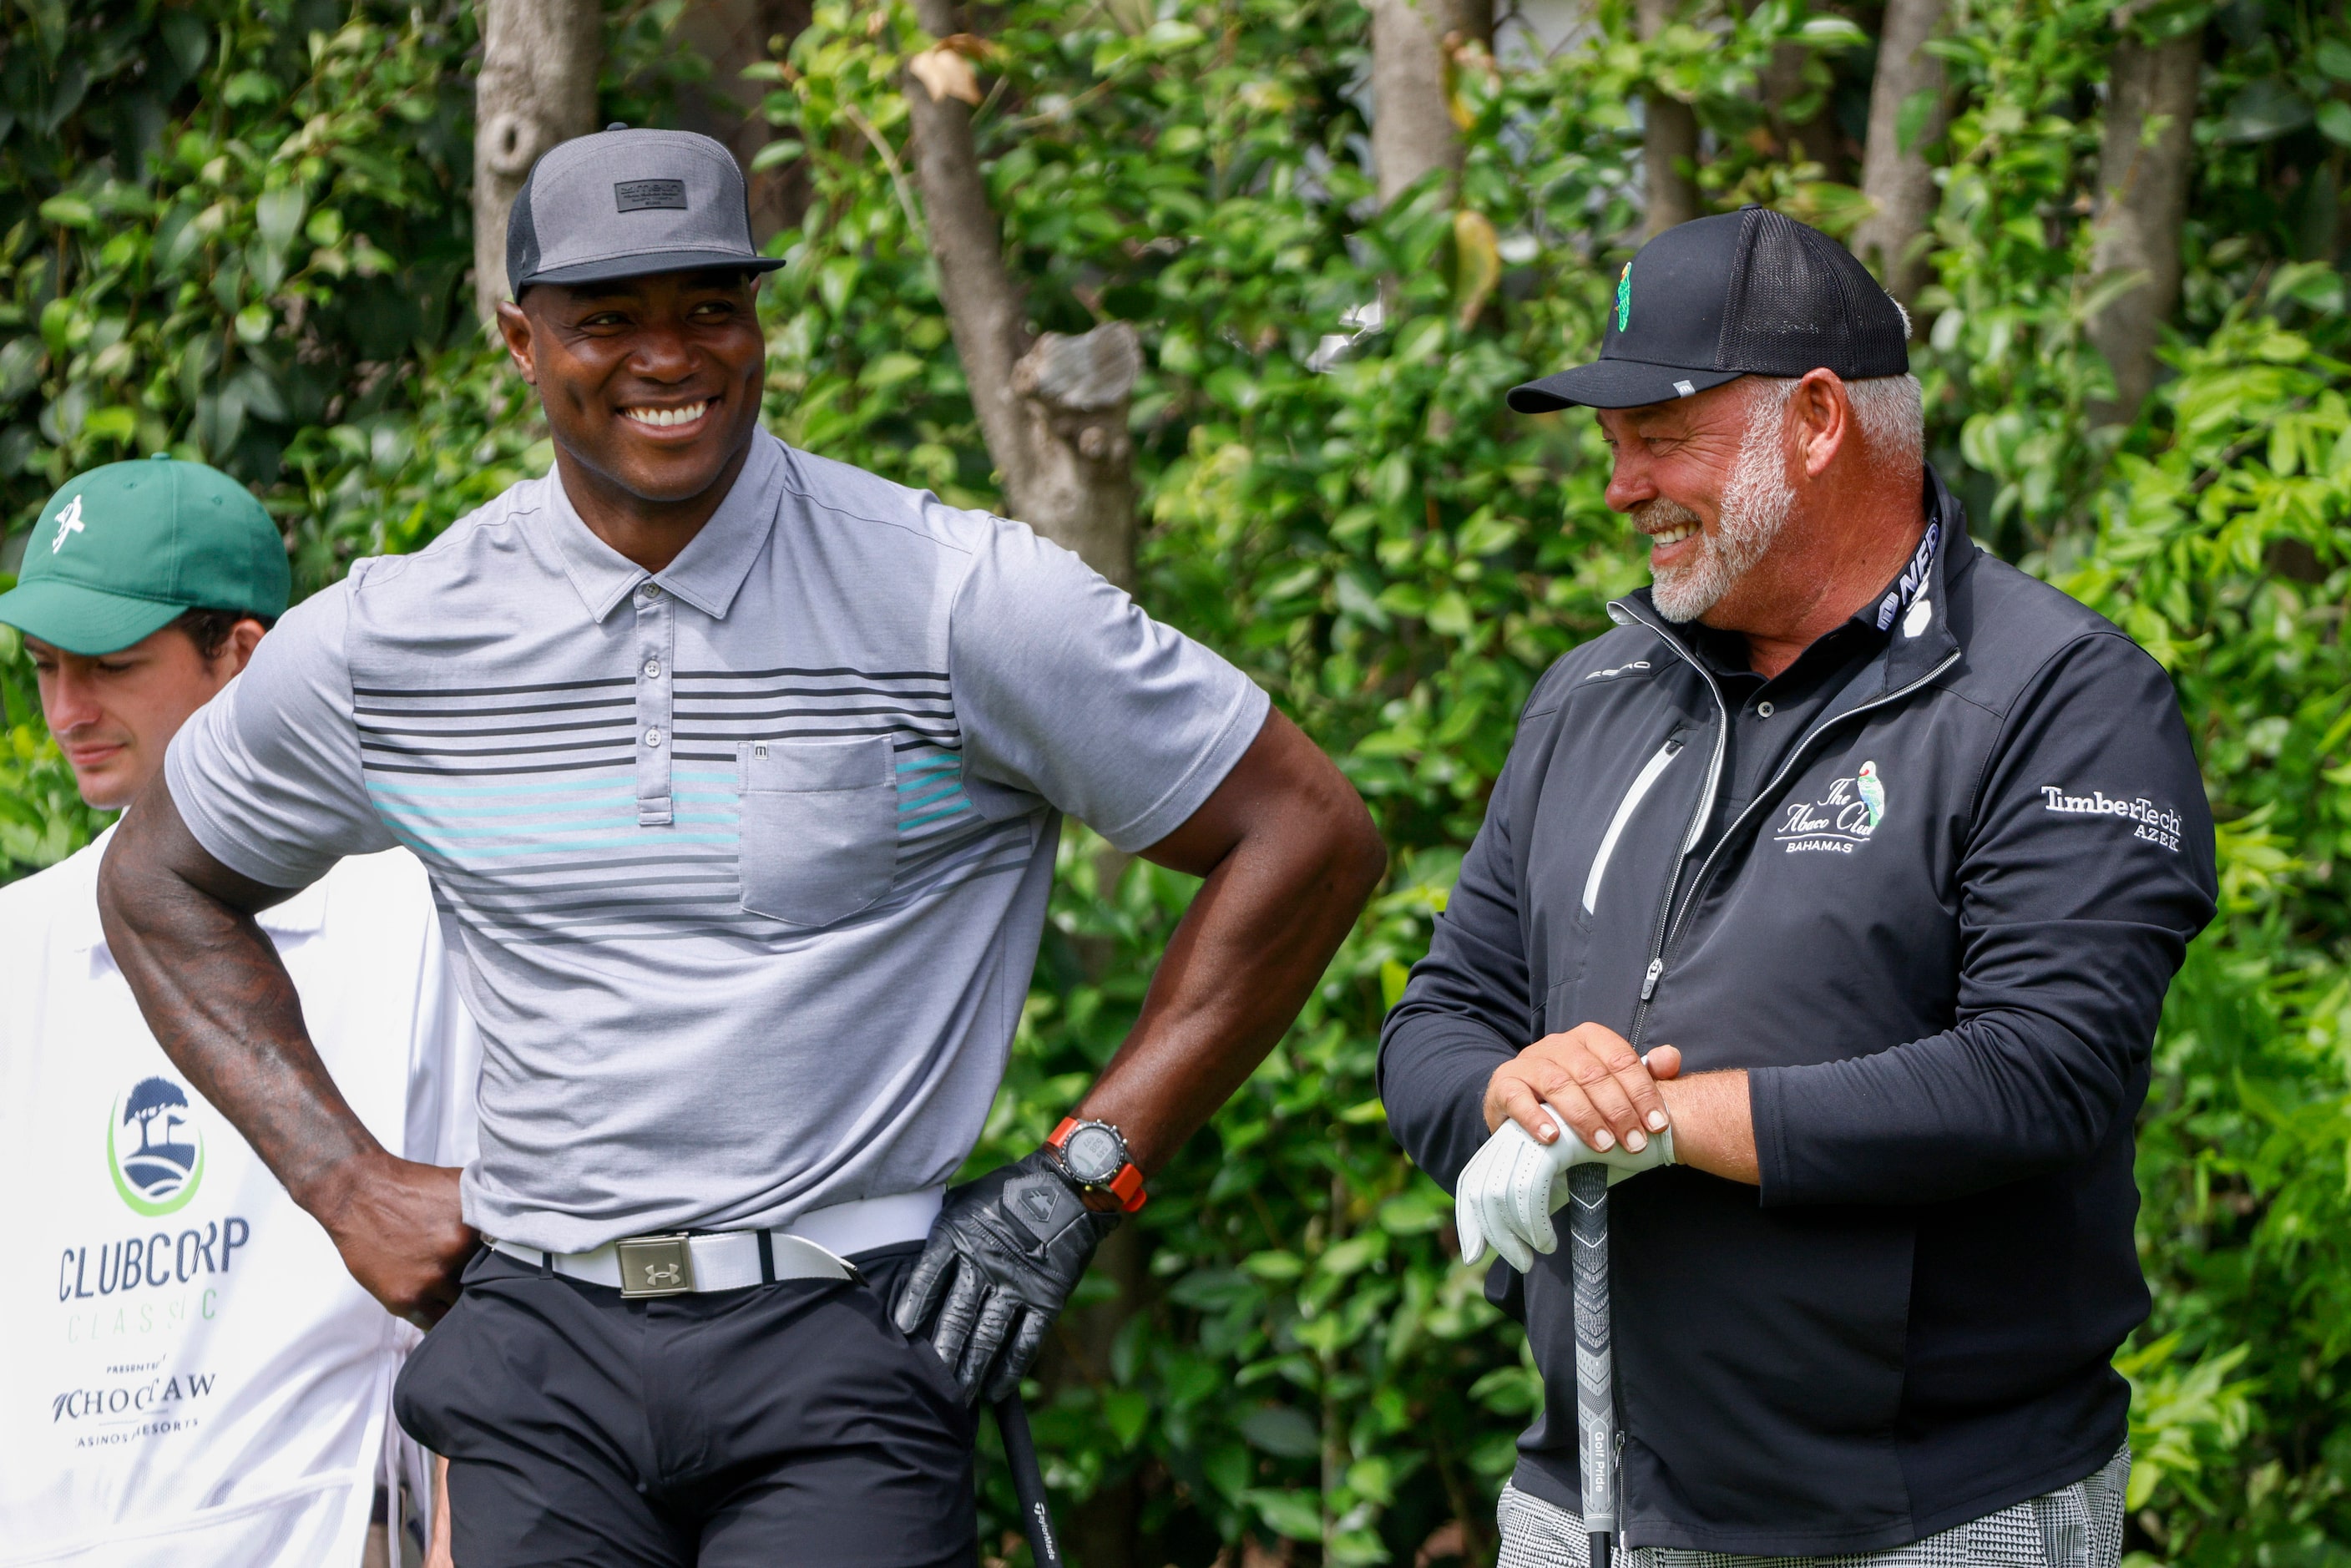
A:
{"x":1936,"y":932}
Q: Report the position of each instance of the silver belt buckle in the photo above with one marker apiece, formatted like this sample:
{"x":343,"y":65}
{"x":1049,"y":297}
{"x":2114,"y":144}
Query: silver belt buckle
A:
{"x":656,"y":1265}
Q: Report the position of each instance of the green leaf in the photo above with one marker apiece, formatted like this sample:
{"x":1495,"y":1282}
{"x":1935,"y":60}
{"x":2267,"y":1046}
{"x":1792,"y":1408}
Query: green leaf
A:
{"x":110,"y":424}
{"x":2335,"y":119}
{"x":249,"y":87}
{"x":71,"y":212}
{"x":1292,"y":1514}
{"x":2263,"y":110}
{"x":1831,"y":32}
{"x":1282,"y":1431}
{"x":1126,"y":1412}
{"x":1275,"y":1265}
{"x":1355,"y":1254}
{"x":278,"y":215}
{"x":1420,"y":339}
{"x":1910,"y":117}
{"x":20,"y":368}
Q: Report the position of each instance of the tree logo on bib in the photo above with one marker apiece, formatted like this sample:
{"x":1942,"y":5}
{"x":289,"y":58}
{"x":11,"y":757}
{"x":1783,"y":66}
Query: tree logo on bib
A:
{"x":161,"y":1171}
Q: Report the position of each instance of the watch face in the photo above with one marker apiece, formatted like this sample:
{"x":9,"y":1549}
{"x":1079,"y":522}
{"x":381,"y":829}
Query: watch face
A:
{"x":1093,"y":1155}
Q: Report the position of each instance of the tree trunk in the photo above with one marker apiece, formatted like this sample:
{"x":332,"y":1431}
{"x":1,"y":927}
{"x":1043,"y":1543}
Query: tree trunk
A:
{"x":538,"y":88}
{"x":1104,"y":1530}
{"x":2144,"y":163}
{"x":1052,"y":408}
{"x":1413,"y":130}
{"x":1668,"y":140}
{"x":1817,"y":138}
{"x":1896,"y":177}
{"x":731,"y":35}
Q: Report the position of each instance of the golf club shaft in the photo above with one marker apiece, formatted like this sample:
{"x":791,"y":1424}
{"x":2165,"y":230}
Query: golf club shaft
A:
{"x":1596,"y":1380}
{"x":1028,"y":1480}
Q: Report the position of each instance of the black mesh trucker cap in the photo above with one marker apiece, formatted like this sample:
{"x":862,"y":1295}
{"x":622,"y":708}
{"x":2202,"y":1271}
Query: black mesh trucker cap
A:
{"x":622,"y":204}
{"x":1752,"y":292}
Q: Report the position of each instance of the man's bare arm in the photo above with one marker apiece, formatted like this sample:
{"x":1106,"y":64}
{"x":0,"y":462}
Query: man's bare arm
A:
{"x":1289,"y":856}
{"x":181,"y":925}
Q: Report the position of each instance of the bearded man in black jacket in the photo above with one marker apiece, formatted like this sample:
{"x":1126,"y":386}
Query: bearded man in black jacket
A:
{"x":1840,"y":883}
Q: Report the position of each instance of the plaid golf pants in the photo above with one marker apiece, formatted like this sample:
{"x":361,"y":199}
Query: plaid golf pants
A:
{"x":2078,"y":1526}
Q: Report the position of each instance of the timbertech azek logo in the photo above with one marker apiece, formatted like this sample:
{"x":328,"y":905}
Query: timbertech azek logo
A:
{"x":160,"y":1173}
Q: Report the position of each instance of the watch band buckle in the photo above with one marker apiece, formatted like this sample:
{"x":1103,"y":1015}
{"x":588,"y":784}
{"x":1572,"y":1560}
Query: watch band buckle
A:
{"x":656,"y":1265}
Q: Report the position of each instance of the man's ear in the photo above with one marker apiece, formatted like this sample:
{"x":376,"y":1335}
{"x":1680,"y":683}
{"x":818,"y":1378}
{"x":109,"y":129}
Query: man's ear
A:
{"x":237,"y":652}
{"x":514,"y":326}
{"x":1819,"y":416}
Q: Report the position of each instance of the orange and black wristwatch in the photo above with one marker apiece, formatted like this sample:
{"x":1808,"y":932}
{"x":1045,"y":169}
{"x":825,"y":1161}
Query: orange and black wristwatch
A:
{"x":1094,"y":1155}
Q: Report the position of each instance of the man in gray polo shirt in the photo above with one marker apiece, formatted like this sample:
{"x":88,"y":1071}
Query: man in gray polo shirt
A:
{"x":738,"y":774}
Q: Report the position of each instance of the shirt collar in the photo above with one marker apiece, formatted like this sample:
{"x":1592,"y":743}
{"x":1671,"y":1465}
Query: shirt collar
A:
{"x":708,"y":571}
{"x":1909,"y":611}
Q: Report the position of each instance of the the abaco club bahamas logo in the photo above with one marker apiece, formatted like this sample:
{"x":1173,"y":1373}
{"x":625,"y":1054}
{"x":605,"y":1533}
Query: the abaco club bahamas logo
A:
{"x":1841,"y":819}
{"x":158,"y":1169}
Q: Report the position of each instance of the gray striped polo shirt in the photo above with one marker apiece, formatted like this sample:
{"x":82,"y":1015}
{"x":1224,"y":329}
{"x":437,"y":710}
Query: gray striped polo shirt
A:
{"x":747,"y":858}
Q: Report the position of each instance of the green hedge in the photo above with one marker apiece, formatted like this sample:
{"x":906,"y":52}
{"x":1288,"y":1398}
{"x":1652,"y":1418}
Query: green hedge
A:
{"x":238,"y":230}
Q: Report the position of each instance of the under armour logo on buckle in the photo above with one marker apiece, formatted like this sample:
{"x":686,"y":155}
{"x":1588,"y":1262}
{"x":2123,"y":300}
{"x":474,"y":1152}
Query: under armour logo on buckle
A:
{"x":661,"y":1274}
{"x":1039,"y":1203}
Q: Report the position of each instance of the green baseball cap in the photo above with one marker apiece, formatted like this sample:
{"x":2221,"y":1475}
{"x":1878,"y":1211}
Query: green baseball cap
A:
{"x":124,"y":550}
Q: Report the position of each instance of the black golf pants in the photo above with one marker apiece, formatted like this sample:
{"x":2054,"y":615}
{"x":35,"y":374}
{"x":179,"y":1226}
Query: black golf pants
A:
{"x":770,"y":1427}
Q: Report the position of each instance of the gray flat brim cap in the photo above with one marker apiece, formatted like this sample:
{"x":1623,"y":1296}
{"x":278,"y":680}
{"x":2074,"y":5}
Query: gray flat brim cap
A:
{"x":625,"y":204}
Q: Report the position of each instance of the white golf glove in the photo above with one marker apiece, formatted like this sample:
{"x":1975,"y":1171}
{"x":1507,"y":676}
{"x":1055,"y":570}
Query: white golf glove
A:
{"x":1512,"y":1185}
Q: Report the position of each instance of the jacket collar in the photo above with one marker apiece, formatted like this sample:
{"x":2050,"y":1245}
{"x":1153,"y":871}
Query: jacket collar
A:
{"x":708,"y":573}
{"x":1914,"y":611}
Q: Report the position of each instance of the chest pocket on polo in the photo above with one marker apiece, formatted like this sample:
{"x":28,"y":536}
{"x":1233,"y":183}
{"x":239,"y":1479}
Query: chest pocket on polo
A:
{"x":819,"y":827}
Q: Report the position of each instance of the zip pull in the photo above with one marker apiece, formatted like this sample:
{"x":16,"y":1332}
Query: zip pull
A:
{"x":1649,"y":980}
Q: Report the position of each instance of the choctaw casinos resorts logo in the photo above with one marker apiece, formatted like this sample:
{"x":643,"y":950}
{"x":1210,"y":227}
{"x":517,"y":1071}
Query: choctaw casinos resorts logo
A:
{"x":159,"y":1165}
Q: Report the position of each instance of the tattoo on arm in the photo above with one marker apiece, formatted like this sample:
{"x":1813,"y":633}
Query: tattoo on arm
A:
{"x":213,"y":990}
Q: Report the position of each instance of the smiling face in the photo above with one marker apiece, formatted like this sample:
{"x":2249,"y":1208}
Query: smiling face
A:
{"x":1707,"y":479}
{"x":650,"y":387}
{"x":113,"y":714}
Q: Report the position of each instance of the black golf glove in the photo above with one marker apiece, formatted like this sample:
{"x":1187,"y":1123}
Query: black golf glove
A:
{"x":1004,"y":1255}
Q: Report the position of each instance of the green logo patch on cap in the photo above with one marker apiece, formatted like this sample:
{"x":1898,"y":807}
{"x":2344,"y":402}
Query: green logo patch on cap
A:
{"x":1625,"y":298}
{"x":121,"y":552}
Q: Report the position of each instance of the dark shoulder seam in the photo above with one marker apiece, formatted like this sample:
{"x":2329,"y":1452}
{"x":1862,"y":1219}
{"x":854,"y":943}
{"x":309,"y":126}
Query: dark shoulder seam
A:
{"x":2007,"y":716}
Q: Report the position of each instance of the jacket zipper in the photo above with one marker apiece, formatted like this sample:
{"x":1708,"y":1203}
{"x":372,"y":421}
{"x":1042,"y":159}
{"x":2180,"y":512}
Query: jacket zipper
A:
{"x":1690,"y":839}
{"x":1650,"y":772}
{"x":1668,"y":935}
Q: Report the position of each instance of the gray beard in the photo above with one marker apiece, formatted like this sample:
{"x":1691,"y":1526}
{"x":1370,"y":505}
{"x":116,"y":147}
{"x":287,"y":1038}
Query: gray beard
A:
{"x":1756,"y":502}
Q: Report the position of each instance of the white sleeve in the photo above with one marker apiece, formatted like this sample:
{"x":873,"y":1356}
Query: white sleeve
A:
{"x":266,"y":775}
{"x":1067,"y":690}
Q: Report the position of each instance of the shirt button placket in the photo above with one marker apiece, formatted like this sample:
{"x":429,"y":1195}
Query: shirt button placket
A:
{"x":656,"y":635}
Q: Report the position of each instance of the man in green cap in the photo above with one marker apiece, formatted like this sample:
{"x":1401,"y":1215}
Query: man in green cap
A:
{"x":200,"y":1370}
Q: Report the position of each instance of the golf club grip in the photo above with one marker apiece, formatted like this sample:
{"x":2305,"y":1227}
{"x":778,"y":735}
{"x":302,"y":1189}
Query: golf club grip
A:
{"x":1596,"y":1380}
{"x":1028,"y":1480}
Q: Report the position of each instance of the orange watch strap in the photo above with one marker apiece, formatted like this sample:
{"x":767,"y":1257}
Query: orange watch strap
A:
{"x":1126,"y":1186}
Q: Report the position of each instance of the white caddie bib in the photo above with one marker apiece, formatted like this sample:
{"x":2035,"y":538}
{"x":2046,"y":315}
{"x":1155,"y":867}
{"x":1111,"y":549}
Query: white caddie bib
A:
{"x":189,"y":1377}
